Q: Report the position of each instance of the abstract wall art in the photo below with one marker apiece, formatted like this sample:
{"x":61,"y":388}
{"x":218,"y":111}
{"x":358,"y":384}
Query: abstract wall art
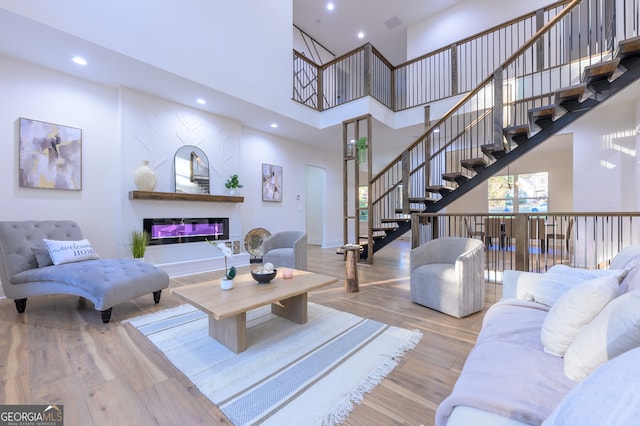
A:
{"x":271,"y":182}
{"x":50,"y":155}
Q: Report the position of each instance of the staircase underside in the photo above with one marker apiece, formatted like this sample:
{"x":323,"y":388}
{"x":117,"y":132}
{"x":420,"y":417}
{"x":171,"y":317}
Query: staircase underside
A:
{"x":599,"y":83}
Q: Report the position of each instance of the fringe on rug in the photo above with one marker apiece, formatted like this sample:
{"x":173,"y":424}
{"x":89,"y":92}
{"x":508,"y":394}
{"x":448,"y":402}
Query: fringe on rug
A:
{"x":340,"y":412}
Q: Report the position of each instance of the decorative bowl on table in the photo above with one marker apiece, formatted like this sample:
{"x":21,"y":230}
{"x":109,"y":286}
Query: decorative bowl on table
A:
{"x":263,"y":277}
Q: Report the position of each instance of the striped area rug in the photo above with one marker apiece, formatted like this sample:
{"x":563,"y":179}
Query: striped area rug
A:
{"x":311,"y":374}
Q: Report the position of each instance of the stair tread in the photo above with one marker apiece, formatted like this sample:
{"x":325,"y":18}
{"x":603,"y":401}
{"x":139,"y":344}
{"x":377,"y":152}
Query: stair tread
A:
{"x":572,"y":94}
{"x":422,"y":200}
{"x":453,"y":174}
{"x":628,"y":48}
{"x":490,"y":151}
{"x":439,"y":189}
{"x":517,"y":133}
{"x":456,"y":177}
{"x":470,"y":162}
{"x":539,"y":116}
{"x":395,"y":219}
{"x":600,"y":71}
{"x":384,"y":228}
{"x":399,"y":211}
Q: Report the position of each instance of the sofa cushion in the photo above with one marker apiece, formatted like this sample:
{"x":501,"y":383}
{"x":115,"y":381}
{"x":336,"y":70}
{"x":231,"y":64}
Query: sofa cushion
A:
{"x":280,"y":257}
{"x":574,"y":309}
{"x":615,"y":330}
{"x":560,"y":278}
{"x":70,"y":251}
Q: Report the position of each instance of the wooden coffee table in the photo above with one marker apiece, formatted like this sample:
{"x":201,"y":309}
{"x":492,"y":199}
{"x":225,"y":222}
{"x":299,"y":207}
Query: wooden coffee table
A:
{"x":227,"y":309}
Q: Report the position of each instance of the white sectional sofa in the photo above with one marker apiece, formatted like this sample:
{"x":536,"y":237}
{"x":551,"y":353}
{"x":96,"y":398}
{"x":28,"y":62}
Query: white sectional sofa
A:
{"x":560,"y":348}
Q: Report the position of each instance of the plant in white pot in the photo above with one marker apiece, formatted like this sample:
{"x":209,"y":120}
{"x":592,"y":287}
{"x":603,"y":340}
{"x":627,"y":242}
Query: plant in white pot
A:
{"x":229,"y":273}
{"x":232,"y":184}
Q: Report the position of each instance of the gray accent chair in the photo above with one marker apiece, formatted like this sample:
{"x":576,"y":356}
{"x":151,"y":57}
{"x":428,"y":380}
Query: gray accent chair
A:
{"x":447,"y":274}
{"x":104,"y":282}
{"x":287,"y":249}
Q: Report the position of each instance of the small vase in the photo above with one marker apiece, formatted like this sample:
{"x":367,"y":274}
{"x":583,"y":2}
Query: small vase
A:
{"x":226,"y":284}
{"x":144,"y":177}
{"x":231,"y":192}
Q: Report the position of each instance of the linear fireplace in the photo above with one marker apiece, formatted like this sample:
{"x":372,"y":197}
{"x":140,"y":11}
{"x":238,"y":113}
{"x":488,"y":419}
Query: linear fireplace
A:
{"x":186,"y":230}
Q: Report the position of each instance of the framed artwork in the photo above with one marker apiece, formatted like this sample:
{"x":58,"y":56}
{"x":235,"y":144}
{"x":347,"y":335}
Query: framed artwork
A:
{"x":50,"y":155}
{"x":271,"y":182}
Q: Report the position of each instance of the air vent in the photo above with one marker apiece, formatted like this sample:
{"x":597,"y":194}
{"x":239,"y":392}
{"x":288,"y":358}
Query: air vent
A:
{"x":392,"y":23}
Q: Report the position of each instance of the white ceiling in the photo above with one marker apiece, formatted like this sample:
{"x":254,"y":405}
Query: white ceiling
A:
{"x":383,"y":22}
{"x":36,"y":43}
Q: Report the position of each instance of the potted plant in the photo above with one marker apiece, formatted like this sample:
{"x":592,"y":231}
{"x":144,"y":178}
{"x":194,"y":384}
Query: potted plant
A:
{"x":139,"y":242}
{"x":232,"y":184}
{"x":361,"y":146}
{"x":229,"y":273}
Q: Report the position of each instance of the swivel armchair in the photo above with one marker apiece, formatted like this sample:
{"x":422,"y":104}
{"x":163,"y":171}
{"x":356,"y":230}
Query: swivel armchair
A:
{"x":287,"y":249}
{"x":447,"y":275}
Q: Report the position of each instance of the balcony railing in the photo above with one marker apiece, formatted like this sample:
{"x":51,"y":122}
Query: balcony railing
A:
{"x":535,"y":242}
{"x":437,"y":75}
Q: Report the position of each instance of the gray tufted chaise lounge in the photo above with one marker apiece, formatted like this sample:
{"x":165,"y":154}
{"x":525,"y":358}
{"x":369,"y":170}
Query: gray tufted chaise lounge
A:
{"x":105,"y":282}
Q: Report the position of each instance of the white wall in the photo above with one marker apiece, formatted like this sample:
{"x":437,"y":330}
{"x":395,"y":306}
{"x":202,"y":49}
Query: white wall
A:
{"x":257,"y":148}
{"x":605,"y":158}
{"x":465,"y":19}
{"x":39,"y":94}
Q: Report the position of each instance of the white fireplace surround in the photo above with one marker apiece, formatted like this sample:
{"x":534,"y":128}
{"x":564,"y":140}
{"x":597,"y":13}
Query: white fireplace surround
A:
{"x":192,"y":258}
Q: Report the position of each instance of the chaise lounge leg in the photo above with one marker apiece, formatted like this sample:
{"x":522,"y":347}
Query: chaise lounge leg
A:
{"x":21,"y":304}
{"x":106,"y":315}
{"x":156,"y":296}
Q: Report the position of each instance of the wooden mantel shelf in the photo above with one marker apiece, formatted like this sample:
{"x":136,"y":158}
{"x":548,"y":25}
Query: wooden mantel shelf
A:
{"x":179,"y":196}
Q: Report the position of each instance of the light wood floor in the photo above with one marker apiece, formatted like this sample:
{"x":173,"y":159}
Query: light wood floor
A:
{"x":59,"y":352}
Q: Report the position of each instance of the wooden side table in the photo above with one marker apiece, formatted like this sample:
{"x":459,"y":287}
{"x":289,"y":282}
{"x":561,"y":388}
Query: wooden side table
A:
{"x":352,"y":252}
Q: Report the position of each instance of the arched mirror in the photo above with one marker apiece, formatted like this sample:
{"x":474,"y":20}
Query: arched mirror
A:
{"x":192,"y":170}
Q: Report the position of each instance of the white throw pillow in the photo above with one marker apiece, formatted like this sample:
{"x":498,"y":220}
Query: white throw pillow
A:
{"x":574,"y":309}
{"x":615,"y":330}
{"x":560,"y":278}
{"x":42,"y":256}
{"x":70,"y":251}
{"x":609,"y":396}
{"x":631,"y":282}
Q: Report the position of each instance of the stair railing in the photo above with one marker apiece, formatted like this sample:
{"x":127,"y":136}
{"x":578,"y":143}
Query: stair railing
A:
{"x":553,"y":58}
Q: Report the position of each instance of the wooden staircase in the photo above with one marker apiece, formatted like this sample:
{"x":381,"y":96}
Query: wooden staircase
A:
{"x":599,"y":82}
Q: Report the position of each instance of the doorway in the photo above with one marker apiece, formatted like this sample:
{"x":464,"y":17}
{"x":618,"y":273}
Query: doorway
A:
{"x":315,"y":194}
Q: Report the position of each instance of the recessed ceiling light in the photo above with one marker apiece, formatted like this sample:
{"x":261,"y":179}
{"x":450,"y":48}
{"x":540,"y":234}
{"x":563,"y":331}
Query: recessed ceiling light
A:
{"x":201,"y":101}
{"x":436,"y":130}
{"x":274,"y":125}
{"x":79,"y":60}
{"x":360,"y":34}
{"x":330,"y":6}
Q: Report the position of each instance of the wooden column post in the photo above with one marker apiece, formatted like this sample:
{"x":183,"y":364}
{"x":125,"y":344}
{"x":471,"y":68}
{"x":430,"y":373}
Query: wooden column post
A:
{"x":351,"y":266}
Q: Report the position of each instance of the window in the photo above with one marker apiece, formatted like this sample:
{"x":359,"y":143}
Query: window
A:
{"x":363,"y":203}
{"x":531,"y":195}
